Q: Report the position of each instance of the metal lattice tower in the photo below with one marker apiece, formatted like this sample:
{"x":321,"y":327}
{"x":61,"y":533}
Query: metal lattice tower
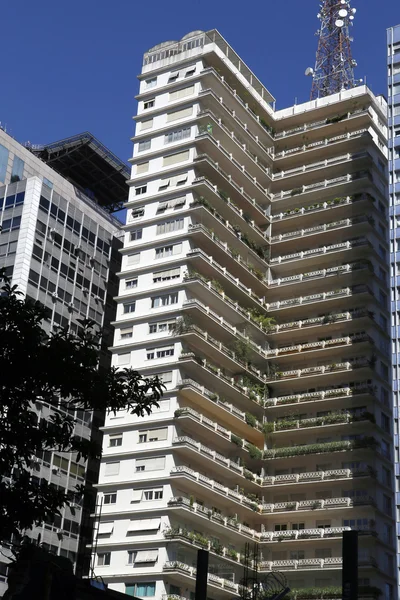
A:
{"x":334,"y":66}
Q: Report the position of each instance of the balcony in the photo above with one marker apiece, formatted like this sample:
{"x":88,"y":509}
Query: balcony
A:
{"x":213,"y":581}
{"x":319,"y":191}
{"x":241,"y":197}
{"x":365,"y":443}
{"x":308,"y":564}
{"x":322,"y":147}
{"x":244,"y":423}
{"x":218,"y":200}
{"x":288,"y":424}
{"x":328,"y":320}
{"x":233,"y":145}
{"x":345,"y":392}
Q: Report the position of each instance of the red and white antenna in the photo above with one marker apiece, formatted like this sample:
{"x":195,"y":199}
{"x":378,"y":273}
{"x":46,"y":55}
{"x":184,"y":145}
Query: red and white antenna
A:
{"x":334,"y":65}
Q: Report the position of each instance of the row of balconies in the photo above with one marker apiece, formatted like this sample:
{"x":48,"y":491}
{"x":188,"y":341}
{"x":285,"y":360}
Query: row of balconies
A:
{"x":322,"y":228}
{"x":320,"y":143}
{"x":319,"y":345}
{"x":321,"y":164}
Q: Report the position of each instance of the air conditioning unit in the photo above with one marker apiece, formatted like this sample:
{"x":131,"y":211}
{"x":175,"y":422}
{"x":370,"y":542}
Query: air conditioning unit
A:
{"x":56,"y":471}
{"x":85,"y":291}
{"x":52,"y":231}
{"x":54,"y":296}
{"x":70,"y":305}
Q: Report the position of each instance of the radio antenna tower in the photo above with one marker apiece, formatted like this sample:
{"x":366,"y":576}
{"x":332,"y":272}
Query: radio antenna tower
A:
{"x":334,"y":65}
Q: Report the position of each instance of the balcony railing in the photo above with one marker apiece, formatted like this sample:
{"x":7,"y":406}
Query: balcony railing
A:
{"x":319,"y":274}
{"x":318,"y":206}
{"x":305,"y":563}
{"x":186,"y":411}
{"x":309,"y":231}
{"x":340,"y":293}
{"x":191,"y":571}
{"x":315,"y":124}
{"x":348,"y":245}
{"x":322,"y":184}
{"x":320,"y":164}
{"x":356,"y":363}
{"x":318,"y":144}
{"x":315,"y":321}
{"x":321,"y":345}
{"x":321,"y":395}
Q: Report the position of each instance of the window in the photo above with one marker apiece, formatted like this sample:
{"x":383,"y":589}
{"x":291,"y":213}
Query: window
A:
{"x":149,"y":104}
{"x":156,"y":494}
{"x":11,"y":224}
{"x":144,"y":145}
{"x":177,"y":202}
{"x":150,"y":83}
{"x":170,"y":226}
{"x":175,"y":136}
{"x":143,"y":589}
{"x":323,"y":553}
{"x":385,"y":422}
{"x":145,"y":556}
{"x":133,"y":259}
{"x":111,"y":468}
{"x":162,"y":326}
{"x":280,"y":527}
{"x":136,"y":234}
{"x":179,"y":114}
{"x":190,"y":72}
{"x":17,"y":172}
{"x":104,"y":559}
{"x":129,"y":307}
{"x":150,"y":464}
{"x":153,"y":353}
{"x":173,"y":76}
{"x":126,"y":334}
{"x":165,"y":300}
{"x":142,"y":189}
{"x":3,"y":162}
{"x":166,"y":251}
{"x":131,"y":283}
{"x":115,"y":441}
{"x":165,"y":377}
{"x":106,"y":528}
{"x":297,"y":555}
{"x":387,"y":504}
{"x":153,"y":435}
{"x":142,"y":167}
{"x":297,"y":526}
{"x":166,"y":275}
{"x":182,"y":93}
{"x":173,"y":159}
{"x":110,"y":498}
{"x":137,"y":212}
{"x":123,"y":359}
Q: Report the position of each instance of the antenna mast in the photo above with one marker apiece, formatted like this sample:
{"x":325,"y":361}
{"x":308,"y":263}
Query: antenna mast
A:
{"x":334,"y":65}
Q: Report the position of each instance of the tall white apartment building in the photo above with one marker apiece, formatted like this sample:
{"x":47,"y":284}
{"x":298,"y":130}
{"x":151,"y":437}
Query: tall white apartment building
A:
{"x":255,"y":282}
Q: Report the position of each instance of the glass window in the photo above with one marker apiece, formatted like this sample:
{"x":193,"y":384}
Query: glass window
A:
{"x":146,"y":589}
{"x":104,"y":559}
{"x":3,"y":162}
{"x":17,"y":169}
{"x":129,"y":307}
{"x":144,"y":145}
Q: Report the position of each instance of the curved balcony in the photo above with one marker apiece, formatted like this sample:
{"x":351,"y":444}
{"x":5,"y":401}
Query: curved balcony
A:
{"x":364,"y":443}
{"x":218,"y":200}
{"x":328,"y":320}
{"x":213,"y":581}
{"x":325,"y":230}
{"x":239,"y":392}
{"x":220,"y":109}
{"x":255,"y":166}
{"x":314,"y":477}
{"x":317,"y":505}
{"x":360,"y":248}
{"x":345,"y":392}
{"x":208,"y":168}
{"x":226,"y":437}
{"x":287,"y":425}
{"x":308,"y":564}
{"x":296,"y":354}
{"x":236,"y":237}
{"x":286,"y":200}
{"x":201,"y":541}
{"x":353,"y":114}
{"x":326,"y":146}
{"x":308,"y":534}
{"x":332,"y":167}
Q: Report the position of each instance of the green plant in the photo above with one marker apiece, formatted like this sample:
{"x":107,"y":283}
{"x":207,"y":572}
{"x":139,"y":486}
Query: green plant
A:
{"x":250,"y":419}
{"x":237,"y":440}
{"x":223,"y":195}
{"x":248,"y":474}
{"x":217,"y":286}
{"x":232,"y":554}
{"x":268,"y":427}
{"x":191,"y":500}
{"x":336,"y":119}
{"x":217,"y":547}
{"x":179,"y":412}
{"x":296,"y":191}
{"x":242,"y":349}
{"x":254,"y":452}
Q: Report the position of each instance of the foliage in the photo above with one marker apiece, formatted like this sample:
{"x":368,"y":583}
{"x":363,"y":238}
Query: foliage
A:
{"x":60,"y":370}
{"x":262,"y":320}
{"x":254,"y":452}
{"x":237,"y":440}
{"x":242,"y":349}
{"x":250,"y":419}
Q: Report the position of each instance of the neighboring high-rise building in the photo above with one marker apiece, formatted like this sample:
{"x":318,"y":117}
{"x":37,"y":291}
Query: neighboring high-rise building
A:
{"x":255,"y":282}
{"x":59,"y":242}
{"x":393,"y":41}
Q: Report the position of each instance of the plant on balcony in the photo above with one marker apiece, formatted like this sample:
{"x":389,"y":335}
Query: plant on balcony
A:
{"x":223,"y":195}
{"x":212,"y":368}
{"x":254,"y":452}
{"x":296,"y":191}
{"x":191,"y":500}
{"x":243,"y":349}
{"x":231,"y":553}
{"x":336,"y":119}
{"x":182,"y":325}
{"x":248,"y":474}
{"x":250,"y":419}
{"x":179,"y":412}
{"x":268,"y":427}
{"x":217,"y":286}
{"x":201,"y":201}
{"x":315,"y":593}
{"x":217,"y":548}
{"x":197,"y":538}
{"x":235,"y":253}
{"x":237,"y":440}
{"x":262,"y":320}
{"x":259,"y":274}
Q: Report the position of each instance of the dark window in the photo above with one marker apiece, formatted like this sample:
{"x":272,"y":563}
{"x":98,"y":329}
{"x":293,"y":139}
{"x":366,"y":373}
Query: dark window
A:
{"x":44,"y":204}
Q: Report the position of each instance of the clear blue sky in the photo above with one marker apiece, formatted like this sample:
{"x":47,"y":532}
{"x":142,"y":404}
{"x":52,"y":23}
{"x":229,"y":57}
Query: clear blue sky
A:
{"x":71,"y":66}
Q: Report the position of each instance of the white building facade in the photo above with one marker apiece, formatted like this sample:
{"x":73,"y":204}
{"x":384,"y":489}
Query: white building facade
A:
{"x":254,"y":281}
